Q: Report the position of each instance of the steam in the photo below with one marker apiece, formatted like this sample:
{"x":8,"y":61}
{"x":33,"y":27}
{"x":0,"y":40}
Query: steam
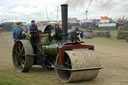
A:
{"x":102,"y":4}
{"x":105,"y":5}
{"x":77,"y":3}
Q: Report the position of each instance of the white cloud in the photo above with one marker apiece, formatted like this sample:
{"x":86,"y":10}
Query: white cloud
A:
{"x":29,"y":8}
{"x":36,"y":9}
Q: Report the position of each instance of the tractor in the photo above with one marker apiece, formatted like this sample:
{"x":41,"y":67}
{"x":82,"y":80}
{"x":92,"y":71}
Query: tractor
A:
{"x":63,"y":51}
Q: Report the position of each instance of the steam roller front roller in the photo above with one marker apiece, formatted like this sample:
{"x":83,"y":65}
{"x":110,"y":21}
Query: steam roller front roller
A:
{"x":79,"y":65}
{"x":22,"y":56}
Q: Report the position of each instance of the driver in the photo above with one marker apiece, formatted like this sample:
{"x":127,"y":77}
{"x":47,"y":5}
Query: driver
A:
{"x":34,"y":35}
{"x":33,"y":26}
{"x":33,"y":31}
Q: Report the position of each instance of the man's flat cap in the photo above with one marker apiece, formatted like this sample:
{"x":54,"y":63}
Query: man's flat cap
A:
{"x":18,"y":23}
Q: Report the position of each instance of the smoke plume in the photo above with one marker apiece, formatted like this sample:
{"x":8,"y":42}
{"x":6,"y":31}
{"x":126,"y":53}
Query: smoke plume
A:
{"x":102,"y":4}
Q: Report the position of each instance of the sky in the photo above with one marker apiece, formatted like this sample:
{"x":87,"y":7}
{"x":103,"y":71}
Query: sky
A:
{"x":41,"y":10}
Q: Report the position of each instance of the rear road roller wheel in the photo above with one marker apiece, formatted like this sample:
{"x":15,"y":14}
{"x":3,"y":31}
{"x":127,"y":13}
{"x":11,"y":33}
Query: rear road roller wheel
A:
{"x":78,"y":60}
{"x":21,"y":55}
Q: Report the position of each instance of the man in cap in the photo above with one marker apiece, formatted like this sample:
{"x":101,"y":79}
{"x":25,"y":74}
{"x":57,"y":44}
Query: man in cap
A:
{"x":34,"y":31}
{"x":33,"y":26}
{"x":34,"y":35}
{"x":17,"y":32}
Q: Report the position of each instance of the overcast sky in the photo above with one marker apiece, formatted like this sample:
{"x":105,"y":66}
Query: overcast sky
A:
{"x":26,"y":10}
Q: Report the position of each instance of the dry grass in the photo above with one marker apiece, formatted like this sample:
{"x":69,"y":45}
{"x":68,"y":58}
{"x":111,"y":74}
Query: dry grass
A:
{"x":113,"y":55}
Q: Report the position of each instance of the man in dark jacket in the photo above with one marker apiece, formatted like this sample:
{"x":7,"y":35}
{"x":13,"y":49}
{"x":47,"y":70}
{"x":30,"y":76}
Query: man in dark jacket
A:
{"x":34,"y":35}
{"x":33,"y":31}
{"x":33,"y":26}
{"x":17,"y":32}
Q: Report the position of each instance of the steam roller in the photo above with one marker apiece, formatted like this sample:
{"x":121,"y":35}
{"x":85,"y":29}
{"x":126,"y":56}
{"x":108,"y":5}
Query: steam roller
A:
{"x":58,"y":49}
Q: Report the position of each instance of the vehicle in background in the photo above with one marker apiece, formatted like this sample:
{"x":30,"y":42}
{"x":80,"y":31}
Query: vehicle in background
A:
{"x":87,"y":35}
{"x":107,"y":26}
{"x":122,"y":32}
{"x":105,"y":34}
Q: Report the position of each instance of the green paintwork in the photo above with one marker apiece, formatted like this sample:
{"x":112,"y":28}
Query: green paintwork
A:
{"x":44,"y":39}
{"x":51,"y":49}
{"x":49,"y":45}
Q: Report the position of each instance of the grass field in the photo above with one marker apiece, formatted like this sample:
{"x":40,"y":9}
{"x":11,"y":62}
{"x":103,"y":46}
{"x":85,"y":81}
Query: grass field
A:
{"x":112,"y":54}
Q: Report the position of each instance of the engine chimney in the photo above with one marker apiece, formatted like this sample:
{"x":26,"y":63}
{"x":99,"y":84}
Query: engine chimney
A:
{"x":64,"y":12}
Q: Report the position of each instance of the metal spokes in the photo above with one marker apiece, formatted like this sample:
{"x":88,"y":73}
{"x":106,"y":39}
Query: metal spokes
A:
{"x":20,"y":55}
